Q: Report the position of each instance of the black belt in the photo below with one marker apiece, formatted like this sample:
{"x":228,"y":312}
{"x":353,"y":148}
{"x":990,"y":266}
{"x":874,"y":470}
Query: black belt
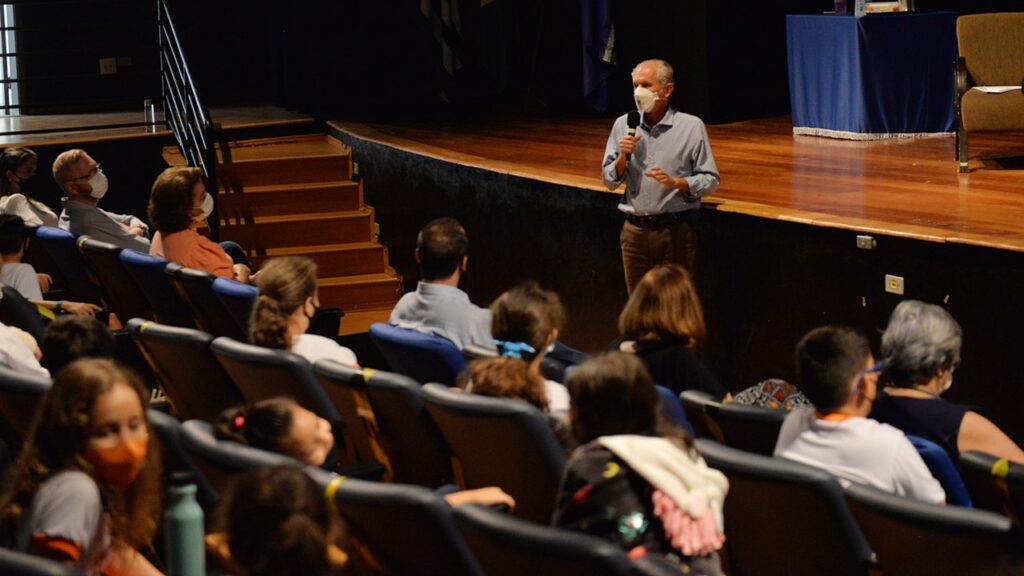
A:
{"x":659,"y":220}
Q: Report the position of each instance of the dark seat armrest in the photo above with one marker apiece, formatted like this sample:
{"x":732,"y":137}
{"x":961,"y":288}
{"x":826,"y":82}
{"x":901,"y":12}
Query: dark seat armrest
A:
{"x":962,"y":79}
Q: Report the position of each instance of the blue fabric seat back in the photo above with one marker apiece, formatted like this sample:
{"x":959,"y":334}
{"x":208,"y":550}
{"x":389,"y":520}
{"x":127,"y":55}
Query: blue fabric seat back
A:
{"x":60,"y":245}
{"x":126,"y":299}
{"x":196,"y":288}
{"x":672,"y":409}
{"x":942,"y":467}
{"x":238,"y":299}
{"x":148,"y":272}
{"x":508,"y":546}
{"x":422,"y":357}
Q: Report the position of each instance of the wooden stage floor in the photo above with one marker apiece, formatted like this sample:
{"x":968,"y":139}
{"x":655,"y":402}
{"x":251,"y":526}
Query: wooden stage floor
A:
{"x":901,"y":187}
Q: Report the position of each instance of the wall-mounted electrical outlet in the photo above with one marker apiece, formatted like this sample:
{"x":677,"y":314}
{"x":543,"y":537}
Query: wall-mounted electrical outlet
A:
{"x":865,"y":242}
{"x":894,"y":284}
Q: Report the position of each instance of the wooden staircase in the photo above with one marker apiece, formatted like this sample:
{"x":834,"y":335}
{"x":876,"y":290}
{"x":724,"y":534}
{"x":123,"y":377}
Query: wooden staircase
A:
{"x":296,"y":195}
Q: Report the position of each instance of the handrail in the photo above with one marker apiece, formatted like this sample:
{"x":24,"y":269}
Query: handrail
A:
{"x":185,"y":113}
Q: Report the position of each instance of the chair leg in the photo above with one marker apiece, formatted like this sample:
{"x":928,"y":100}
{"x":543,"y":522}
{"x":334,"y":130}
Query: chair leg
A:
{"x":961,"y":149}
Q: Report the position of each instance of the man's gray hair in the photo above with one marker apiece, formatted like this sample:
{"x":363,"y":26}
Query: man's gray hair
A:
{"x":663,"y":70}
{"x":920,"y":340}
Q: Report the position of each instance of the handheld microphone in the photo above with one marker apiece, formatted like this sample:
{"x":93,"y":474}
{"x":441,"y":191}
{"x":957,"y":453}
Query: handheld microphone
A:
{"x":632,"y":121}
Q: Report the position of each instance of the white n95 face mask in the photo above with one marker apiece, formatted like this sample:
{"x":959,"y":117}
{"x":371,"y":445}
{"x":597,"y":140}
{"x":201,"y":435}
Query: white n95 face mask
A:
{"x":99,"y":184}
{"x":206,"y":207}
{"x":645,"y":99}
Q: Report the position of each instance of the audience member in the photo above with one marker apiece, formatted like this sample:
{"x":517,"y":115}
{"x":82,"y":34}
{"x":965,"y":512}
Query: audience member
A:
{"x":17,"y":165}
{"x":178,"y":205}
{"x":921,"y":350}
{"x":524,"y":323}
{"x":772,"y":393}
{"x":513,"y":378}
{"x":86,"y":487}
{"x":20,"y":352}
{"x":634,"y":480}
{"x":22,"y":276}
{"x":83,"y":180}
{"x":282,"y":426}
{"x":284,"y":309}
{"x":278,"y":522}
{"x":69,"y":338}
{"x":662,"y":324}
{"x":438,"y":306}
{"x":839,"y":376}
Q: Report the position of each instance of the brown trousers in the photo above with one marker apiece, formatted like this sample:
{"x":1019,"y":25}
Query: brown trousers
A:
{"x":645,"y":248}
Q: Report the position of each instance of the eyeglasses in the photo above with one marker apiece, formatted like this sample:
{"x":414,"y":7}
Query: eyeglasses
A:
{"x":875,"y":369}
{"x":97,"y":170}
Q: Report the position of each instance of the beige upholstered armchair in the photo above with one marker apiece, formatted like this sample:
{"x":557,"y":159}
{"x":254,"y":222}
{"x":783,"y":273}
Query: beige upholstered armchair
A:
{"x":991,"y":54}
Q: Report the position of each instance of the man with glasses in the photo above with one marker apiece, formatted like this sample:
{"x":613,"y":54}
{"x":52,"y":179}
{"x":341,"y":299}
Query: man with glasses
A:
{"x":83,"y":182}
{"x":840,"y":377}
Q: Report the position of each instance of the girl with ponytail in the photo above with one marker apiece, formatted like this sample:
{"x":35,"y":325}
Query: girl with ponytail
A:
{"x":285,"y":307}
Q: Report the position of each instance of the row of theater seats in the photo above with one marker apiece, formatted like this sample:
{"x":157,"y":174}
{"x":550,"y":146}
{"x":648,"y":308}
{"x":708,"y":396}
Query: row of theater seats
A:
{"x":136,"y":285}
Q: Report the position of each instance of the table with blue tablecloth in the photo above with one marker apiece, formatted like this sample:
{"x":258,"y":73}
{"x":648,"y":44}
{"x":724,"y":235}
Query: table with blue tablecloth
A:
{"x":871,"y":77}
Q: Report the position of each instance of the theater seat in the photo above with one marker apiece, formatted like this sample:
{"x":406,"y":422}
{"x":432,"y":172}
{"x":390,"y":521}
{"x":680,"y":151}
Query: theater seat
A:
{"x":126,"y":299}
{"x":60,"y":246}
{"x":784,"y":519}
{"x":422,"y":357}
{"x":198,"y":388}
{"x":509,"y":546}
{"x":238,"y":300}
{"x":16,"y":311}
{"x":913,"y":538}
{"x":210,"y":314}
{"x":751,"y":428}
{"x":943,"y":469}
{"x":501,"y":442}
{"x":21,"y":564}
{"x":164,"y":300}
{"x":20,"y":396}
{"x":168,"y":432}
{"x":995,"y":484}
{"x":696,"y":405}
{"x":408,"y":529}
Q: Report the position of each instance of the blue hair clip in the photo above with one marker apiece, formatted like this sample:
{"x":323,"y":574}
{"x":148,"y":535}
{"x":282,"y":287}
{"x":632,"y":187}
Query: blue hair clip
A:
{"x":513,"y":349}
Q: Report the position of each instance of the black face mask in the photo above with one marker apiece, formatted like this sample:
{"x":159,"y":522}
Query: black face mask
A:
{"x":316,"y":309}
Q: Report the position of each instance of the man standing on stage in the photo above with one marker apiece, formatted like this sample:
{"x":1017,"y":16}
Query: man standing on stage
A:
{"x":668,"y":168}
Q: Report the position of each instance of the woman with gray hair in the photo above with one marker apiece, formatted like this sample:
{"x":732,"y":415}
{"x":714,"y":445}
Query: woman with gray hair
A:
{"x":921,"y":350}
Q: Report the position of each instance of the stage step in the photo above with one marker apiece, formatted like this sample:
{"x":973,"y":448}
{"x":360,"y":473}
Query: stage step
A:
{"x":349,"y":259}
{"x":265,"y":232}
{"x":295,"y":196}
{"x":362,"y":291}
{"x":290,"y":198}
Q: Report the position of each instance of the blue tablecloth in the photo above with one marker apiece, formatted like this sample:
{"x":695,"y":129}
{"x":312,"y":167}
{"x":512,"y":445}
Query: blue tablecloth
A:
{"x":877,"y":76}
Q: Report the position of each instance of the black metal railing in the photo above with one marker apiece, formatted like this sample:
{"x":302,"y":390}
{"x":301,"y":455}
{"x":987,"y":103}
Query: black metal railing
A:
{"x":184,"y":111}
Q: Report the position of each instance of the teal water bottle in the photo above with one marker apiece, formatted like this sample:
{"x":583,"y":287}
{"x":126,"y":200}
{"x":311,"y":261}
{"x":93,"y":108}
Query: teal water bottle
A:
{"x":183,"y":529}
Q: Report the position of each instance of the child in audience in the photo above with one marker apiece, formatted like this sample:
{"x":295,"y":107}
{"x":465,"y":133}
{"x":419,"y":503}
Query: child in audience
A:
{"x":525,"y":322}
{"x":285,"y":307}
{"x":86,"y":487}
{"x":279,"y":523}
{"x":839,"y":376}
{"x":662,"y":324}
{"x":513,"y":378}
{"x":634,"y":480}
{"x":22,"y":277}
{"x":280,"y":425}
{"x":178,"y":205}
{"x":16,"y":165}
{"x":69,"y":338}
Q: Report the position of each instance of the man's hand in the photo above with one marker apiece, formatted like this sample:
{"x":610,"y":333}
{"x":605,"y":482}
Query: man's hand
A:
{"x":627,"y":144}
{"x":668,"y":181}
{"x":137,"y":231}
{"x":45,"y":281}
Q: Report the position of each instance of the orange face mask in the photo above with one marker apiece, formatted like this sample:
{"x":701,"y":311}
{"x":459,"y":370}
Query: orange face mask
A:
{"x":119,"y":466}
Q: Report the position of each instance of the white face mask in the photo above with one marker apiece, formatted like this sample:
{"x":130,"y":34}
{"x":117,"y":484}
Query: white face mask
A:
{"x":206,"y":207}
{"x":645,"y":99}
{"x":98,"y":183}
{"x":947,"y":385}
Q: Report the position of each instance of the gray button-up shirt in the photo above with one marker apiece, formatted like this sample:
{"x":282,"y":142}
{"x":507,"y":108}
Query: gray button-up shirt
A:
{"x":444,"y":311}
{"x":81,"y":219}
{"x":678,"y":145}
